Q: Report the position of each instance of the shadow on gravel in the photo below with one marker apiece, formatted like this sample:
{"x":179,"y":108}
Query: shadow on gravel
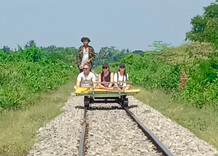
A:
{"x":105,"y":108}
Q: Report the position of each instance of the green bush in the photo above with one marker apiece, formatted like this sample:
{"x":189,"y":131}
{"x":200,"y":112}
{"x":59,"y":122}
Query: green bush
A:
{"x":151,"y":73}
{"x":202,"y":86}
{"x":154,"y":73}
{"x":27,"y":72}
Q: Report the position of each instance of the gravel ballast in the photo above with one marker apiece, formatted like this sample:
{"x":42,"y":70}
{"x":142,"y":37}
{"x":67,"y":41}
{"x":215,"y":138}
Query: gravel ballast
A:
{"x":61,"y":135}
{"x":112,"y":132}
{"x":179,"y":140}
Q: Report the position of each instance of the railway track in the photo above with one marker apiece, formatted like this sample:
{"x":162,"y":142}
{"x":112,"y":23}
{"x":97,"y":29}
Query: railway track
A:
{"x":111,"y":132}
{"x":83,"y":135}
{"x":158,"y":145}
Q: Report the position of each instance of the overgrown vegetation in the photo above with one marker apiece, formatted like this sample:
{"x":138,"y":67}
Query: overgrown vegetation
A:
{"x":202,"y":122}
{"x":189,"y":72}
{"x":109,"y":54}
{"x":27,"y":72}
{"x":33,"y":75}
{"x":202,"y":83}
{"x":163,"y":71}
{"x":18,"y":129}
{"x":151,"y":73}
{"x":199,"y":61}
{"x":205,"y":27}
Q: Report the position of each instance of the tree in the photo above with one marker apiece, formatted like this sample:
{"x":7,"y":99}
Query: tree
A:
{"x":110,"y":54}
{"x":139,"y":52}
{"x":30,"y":44}
{"x":6,"y":49}
{"x":205,"y":27}
{"x":158,"y":45}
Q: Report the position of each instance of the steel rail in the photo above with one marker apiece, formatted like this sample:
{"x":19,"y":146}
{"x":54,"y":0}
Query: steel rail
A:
{"x":150,"y":135}
{"x":83,"y":135}
{"x":160,"y":147}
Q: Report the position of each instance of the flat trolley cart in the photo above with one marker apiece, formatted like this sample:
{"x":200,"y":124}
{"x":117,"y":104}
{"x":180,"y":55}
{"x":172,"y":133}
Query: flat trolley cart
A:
{"x":100,"y":95}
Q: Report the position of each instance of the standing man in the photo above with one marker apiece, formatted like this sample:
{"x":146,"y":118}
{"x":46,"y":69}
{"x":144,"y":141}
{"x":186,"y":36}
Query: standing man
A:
{"x":86,"y":54}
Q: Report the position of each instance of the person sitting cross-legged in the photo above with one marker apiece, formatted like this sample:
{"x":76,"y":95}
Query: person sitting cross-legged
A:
{"x":106,"y":78}
{"x":120,"y":78}
{"x":86,"y":78}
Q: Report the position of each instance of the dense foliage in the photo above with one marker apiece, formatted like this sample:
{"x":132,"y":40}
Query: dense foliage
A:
{"x":148,"y":71}
{"x":151,"y":73}
{"x":162,"y":70}
{"x":200,"y":62}
{"x":67,"y":54}
{"x":29,"y":71}
{"x":205,"y":27}
{"x":202,"y":84}
{"x":109,"y":54}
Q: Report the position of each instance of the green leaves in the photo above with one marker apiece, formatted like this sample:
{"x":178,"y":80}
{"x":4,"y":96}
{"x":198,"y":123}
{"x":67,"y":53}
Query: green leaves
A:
{"x":205,"y":27}
{"x":33,"y":54}
{"x":27,"y":72}
{"x":150,"y":72}
{"x":109,"y":54}
{"x":155,"y":72}
{"x":202,"y":86}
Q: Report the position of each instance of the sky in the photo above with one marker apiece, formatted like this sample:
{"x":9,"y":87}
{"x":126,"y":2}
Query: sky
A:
{"x":132,"y":24}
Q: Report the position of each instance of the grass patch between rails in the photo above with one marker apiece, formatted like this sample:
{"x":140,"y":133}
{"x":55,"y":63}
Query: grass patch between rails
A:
{"x":18,"y":128}
{"x":202,"y":122}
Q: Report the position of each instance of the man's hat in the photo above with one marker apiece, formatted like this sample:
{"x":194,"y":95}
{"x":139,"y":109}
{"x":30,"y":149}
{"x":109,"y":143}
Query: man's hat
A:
{"x":85,"y":39}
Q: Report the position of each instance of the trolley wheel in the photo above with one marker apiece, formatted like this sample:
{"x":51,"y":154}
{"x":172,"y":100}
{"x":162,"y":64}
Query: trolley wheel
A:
{"x":86,"y":101}
{"x":91,"y":100}
{"x":120,"y":101}
{"x":125,"y":102}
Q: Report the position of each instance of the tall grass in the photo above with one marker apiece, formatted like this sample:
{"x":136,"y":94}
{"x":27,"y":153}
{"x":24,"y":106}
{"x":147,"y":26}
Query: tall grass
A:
{"x":18,"y":128}
{"x":202,"y":122}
